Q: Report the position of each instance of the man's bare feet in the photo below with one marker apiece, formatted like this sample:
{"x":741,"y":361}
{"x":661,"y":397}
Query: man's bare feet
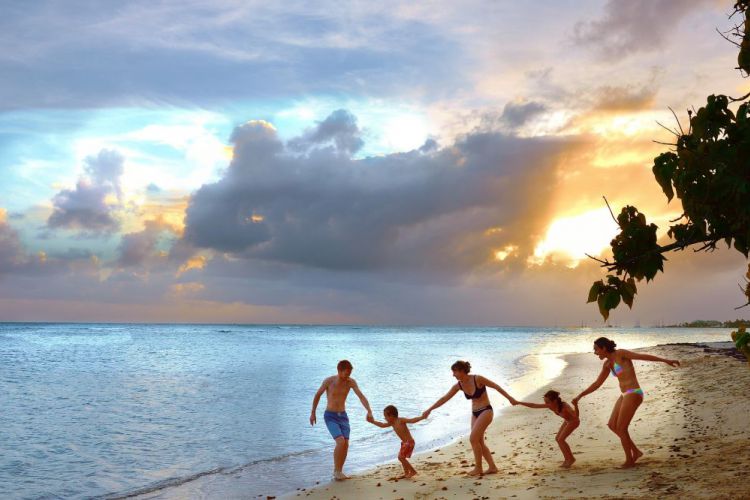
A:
{"x":638,"y":454}
{"x":409,"y":474}
{"x":474,"y":472}
{"x":491,"y":470}
{"x":340,"y":476}
{"x":566,"y":464}
{"x":627,"y":464}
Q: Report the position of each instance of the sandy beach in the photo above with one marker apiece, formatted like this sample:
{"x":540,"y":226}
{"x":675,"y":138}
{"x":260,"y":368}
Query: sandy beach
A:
{"x":692,"y":427}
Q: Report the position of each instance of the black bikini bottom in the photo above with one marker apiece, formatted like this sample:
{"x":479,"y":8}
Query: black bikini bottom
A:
{"x":482,"y":410}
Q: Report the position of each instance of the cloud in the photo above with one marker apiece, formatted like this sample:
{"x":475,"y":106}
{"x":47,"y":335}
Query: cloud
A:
{"x":516,"y":114}
{"x":624,"y":98}
{"x":633,"y":26}
{"x":339,"y":128}
{"x":413,"y":210}
{"x":12,"y":253}
{"x":137,"y":248}
{"x":89,"y":206}
{"x":83,"y":57}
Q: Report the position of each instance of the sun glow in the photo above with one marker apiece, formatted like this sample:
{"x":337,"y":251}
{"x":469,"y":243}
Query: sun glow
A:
{"x":405,"y":132}
{"x":506,"y":252}
{"x":570,"y":238}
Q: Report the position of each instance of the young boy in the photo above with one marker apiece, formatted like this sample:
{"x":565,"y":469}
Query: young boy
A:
{"x":399,"y":427}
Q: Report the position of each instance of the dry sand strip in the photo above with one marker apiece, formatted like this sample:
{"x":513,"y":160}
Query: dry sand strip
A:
{"x":693,"y":427}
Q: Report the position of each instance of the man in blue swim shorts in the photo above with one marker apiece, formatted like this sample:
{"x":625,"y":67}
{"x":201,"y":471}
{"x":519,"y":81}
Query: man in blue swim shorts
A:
{"x":337,"y":389}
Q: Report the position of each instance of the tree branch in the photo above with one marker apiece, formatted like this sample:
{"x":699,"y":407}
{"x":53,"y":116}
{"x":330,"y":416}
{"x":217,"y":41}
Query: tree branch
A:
{"x":668,"y":129}
{"x":610,"y":211}
{"x":678,"y":218}
{"x":677,"y":120}
{"x":677,"y":245}
{"x":722,"y":35}
{"x":665,"y":143}
{"x":733,"y":99}
{"x":603,"y":262}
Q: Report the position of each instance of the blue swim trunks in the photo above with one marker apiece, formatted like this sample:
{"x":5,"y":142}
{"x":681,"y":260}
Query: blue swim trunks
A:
{"x":337,"y":423}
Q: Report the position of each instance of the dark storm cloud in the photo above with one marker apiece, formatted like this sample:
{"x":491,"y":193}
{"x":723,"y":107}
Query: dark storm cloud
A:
{"x":339,"y":128}
{"x":406,"y":210}
{"x":85,"y":207}
{"x":632,"y":26}
{"x":137,"y":248}
{"x":12,"y":253}
{"x":516,"y":114}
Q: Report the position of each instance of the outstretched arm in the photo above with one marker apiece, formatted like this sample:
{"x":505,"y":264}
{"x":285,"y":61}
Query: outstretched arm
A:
{"x":531,"y":405}
{"x":440,"y":402}
{"x":361,"y":397}
{"x":597,"y":383}
{"x":382,"y":425}
{"x":413,"y":420}
{"x":642,"y":356}
{"x":490,"y":383}
{"x":316,"y":400}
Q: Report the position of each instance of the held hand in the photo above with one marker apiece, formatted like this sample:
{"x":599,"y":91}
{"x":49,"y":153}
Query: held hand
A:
{"x":426,"y":414}
{"x":575,"y":401}
{"x":673,"y":362}
{"x":313,"y":419}
{"x":513,"y":401}
{"x":369,"y":418}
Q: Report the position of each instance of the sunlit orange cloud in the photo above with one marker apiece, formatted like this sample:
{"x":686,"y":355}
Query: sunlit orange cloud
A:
{"x":186,"y":288}
{"x":617,"y":168}
{"x":170,"y":211}
{"x":571,"y":238}
{"x":505,"y":252}
{"x":195,"y":262}
{"x":612,"y":125}
{"x":3,"y":215}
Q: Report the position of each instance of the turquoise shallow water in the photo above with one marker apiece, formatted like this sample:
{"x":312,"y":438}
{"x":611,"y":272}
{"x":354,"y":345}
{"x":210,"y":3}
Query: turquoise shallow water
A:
{"x":92,"y":410}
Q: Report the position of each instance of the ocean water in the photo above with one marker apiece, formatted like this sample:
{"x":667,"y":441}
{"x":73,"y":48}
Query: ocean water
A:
{"x":218,"y":411}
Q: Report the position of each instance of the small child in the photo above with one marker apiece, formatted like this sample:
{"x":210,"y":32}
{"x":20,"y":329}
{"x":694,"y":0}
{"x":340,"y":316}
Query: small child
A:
{"x":553,"y":402}
{"x":399,"y":427}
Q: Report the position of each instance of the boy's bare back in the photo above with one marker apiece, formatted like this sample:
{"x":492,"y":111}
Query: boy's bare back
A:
{"x":401,"y":430}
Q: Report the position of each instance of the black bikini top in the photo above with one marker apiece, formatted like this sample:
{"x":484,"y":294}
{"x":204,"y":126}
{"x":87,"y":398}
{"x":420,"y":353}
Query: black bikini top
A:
{"x":478,"y":391}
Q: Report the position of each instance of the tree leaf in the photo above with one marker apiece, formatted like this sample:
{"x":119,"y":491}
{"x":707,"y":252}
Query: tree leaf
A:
{"x":594,"y":291}
{"x":611,"y":299}
{"x":602,"y":309}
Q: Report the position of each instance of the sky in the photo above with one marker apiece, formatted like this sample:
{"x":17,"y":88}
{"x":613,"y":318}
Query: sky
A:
{"x":355,"y":162}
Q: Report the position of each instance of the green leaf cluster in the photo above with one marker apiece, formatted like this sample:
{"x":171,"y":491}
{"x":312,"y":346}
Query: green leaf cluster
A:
{"x":741,"y":340}
{"x":608,"y":295}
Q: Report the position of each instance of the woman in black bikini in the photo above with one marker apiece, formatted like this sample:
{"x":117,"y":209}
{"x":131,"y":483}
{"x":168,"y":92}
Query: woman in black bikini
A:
{"x":474,"y":387}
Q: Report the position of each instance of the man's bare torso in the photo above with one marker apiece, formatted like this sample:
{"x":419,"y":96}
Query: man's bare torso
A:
{"x":336,"y":393}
